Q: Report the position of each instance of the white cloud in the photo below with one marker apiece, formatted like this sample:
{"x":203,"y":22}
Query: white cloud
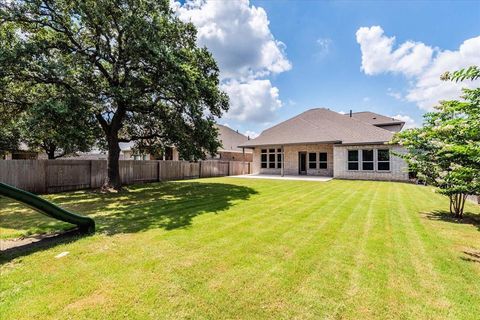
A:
{"x":429,"y":89}
{"x":422,"y":64}
{"x":255,"y":100}
{"x":366,"y":99}
{"x":251,"y":134}
{"x":394,"y":94}
{"x":323,"y":47}
{"x":409,"y":121}
{"x":378,"y":55}
{"x":239,"y":37}
{"x":291,"y":103}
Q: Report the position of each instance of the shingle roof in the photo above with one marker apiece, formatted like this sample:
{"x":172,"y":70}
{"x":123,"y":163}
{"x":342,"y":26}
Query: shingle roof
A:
{"x":375,"y":118}
{"x":321,"y":125}
{"x":230,"y":138}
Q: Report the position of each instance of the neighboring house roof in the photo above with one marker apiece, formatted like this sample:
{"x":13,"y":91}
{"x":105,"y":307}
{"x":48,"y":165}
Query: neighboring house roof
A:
{"x":126,"y":146}
{"x":321,"y":125}
{"x":230,"y":139}
{"x":375,"y":118}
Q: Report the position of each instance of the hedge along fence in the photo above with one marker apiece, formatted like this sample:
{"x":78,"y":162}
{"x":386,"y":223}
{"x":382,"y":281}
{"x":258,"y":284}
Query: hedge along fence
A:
{"x":51,"y":176}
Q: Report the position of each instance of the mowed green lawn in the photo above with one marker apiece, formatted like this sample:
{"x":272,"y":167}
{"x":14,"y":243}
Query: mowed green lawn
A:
{"x":228,"y":248}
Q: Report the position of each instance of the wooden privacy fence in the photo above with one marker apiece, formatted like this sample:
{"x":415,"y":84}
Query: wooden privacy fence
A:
{"x":50,"y":176}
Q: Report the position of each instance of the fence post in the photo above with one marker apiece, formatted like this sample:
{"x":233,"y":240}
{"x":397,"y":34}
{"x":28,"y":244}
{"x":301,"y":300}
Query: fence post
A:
{"x":46,"y":177}
{"x":91,"y":169}
{"x":158,"y":171}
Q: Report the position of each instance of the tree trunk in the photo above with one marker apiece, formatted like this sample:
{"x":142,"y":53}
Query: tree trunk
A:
{"x":113,"y":181}
{"x":451,"y":203}
{"x":462,"y":204}
{"x":51,"y":153}
{"x":457,"y":204}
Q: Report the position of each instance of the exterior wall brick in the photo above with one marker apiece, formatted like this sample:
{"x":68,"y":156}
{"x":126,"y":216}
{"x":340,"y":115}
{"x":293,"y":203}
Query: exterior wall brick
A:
{"x":234,"y":156}
{"x":336,"y":162}
{"x":291,"y":162}
{"x":398,"y":167}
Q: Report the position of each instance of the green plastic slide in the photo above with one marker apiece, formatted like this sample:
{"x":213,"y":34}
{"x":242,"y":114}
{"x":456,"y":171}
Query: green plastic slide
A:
{"x":84,"y":224}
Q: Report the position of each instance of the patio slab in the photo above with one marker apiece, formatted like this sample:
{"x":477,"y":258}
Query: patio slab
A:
{"x":286,"y":177}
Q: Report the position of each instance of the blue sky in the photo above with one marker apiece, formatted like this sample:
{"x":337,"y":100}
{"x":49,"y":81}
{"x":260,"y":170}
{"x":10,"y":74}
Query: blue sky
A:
{"x":279,"y":58}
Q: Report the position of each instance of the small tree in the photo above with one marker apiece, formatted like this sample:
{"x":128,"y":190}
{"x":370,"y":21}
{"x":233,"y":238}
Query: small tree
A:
{"x":59,"y":126}
{"x":9,"y":138}
{"x":445,"y":152}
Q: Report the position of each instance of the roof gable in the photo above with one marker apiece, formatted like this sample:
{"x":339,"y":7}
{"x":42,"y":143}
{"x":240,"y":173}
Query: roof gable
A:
{"x":375,"y":118}
{"x":230,"y":138}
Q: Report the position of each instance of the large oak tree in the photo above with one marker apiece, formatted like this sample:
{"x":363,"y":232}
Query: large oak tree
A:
{"x":132,"y":62}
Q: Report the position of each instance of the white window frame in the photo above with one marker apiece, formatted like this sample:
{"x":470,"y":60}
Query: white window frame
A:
{"x":383,"y":161}
{"x":357,"y":161}
{"x":276,"y":163}
{"x":369,"y":161}
{"x":320,"y":161}
{"x":266,"y":156}
{"x":315,"y":162}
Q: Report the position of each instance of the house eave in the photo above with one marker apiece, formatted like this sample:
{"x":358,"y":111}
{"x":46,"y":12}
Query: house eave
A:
{"x":389,"y":123}
{"x":289,"y":144}
{"x":364,"y":143}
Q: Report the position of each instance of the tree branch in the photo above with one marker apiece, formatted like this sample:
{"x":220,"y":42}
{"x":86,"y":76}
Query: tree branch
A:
{"x":134,"y":138}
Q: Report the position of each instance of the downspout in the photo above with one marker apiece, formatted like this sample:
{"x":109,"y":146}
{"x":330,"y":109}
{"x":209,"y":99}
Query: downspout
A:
{"x":243,"y":161}
{"x":283,"y":160}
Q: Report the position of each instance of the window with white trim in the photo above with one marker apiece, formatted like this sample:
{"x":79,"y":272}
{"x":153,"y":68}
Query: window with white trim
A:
{"x":312,"y":160}
{"x":322,"y":160}
{"x":352,"y":159}
{"x":383,"y":160}
{"x":367,"y":160}
{"x":271,"y":158}
{"x":263,"y":159}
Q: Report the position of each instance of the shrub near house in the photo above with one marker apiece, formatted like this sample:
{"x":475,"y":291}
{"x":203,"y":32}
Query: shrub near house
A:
{"x":446,"y":150}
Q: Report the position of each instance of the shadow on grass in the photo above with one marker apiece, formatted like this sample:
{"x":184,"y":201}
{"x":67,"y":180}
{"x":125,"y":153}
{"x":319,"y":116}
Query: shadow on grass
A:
{"x":166,"y":205}
{"x":471,"y":256}
{"x":468,"y":217}
{"x":39,"y":243}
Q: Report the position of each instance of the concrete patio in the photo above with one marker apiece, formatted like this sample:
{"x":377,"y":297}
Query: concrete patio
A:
{"x":285,"y":177}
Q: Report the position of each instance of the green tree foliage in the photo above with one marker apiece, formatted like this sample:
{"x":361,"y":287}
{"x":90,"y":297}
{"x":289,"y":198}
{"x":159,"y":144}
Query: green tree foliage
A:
{"x":133,"y":64}
{"x":9,"y":138}
{"x":471,"y":73}
{"x":59,"y":126}
{"x":446,"y":150}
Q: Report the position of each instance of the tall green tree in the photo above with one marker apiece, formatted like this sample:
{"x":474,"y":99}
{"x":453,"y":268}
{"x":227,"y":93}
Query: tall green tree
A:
{"x":445,"y":151}
{"x":133,"y":63}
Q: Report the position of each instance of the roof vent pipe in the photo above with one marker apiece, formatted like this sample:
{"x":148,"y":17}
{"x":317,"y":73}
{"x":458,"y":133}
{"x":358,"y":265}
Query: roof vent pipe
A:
{"x":350,"y":113}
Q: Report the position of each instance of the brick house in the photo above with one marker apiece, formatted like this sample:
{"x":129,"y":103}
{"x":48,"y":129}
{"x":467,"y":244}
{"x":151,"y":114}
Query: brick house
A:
{"x":322,"y":142}
{"x":230,"y":140}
